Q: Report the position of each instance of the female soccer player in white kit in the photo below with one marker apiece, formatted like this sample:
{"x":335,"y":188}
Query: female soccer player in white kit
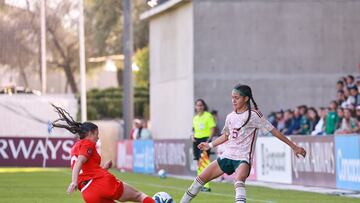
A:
{"x":239,"y":133}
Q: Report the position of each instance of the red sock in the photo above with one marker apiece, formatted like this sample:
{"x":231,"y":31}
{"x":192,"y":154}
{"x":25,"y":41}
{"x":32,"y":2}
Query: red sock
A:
{"x":148,"y":200}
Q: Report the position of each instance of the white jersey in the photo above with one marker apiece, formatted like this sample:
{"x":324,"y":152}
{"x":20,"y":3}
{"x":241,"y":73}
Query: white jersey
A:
{"x":241,"y":141}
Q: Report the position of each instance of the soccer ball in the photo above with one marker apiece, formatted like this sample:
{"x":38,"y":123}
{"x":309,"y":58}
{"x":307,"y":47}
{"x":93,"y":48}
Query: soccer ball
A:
{"x":162,"y":173}
{"x":163,"y":197}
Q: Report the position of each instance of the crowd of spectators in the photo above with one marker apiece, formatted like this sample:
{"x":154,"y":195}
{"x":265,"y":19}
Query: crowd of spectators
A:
{"x":342,"y":116}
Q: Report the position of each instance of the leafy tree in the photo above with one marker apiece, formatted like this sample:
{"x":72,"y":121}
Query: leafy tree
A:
{"x":17,"y":40}
{"x":21,"y":36}
{"x":104,"y":23}
{"x":141,"y":59}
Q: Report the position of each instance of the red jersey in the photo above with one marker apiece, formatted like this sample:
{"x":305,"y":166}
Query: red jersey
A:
{"x":91,"y":168}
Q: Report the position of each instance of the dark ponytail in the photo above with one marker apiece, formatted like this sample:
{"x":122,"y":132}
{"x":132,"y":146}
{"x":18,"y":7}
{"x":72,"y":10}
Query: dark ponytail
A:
{"x":246,"y":91}
{"x":254,"y":103}
{"x":71,"y":125}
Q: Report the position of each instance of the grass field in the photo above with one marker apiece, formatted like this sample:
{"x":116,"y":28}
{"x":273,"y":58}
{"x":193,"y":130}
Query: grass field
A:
{"x":35,"y":185}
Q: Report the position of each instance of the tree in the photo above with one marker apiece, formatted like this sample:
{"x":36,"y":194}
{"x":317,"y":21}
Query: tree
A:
{"x":63,"y":40}
{"x":141,"y":59}
{"x":17,"y":40}
{"x":104,"y":23}
{"x":20,"y":37}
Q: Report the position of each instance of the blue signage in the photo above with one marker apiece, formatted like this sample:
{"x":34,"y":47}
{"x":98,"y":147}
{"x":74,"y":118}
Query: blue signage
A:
{"x":347,"y":149}
{"x":144,"y":156}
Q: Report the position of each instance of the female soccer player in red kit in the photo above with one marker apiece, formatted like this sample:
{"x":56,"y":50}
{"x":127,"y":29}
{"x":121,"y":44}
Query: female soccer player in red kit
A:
{"x":96,"y":184}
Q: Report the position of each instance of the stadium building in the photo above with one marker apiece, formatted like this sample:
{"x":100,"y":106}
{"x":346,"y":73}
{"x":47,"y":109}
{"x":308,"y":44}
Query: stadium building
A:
{"x":290,"y":53}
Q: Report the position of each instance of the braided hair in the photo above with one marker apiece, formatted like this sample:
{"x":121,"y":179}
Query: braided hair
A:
{"x":71,"y":125}
{"x":246,"y":90}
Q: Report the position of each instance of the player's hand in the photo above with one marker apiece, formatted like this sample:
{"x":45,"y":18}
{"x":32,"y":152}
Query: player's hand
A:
{"x":71,"y":188}
{"x":108,"y":164}
{"x":299,"y":151}
{"x":204,"y":146}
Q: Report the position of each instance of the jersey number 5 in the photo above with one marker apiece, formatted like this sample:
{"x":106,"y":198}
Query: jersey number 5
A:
{"x":235,"y":133}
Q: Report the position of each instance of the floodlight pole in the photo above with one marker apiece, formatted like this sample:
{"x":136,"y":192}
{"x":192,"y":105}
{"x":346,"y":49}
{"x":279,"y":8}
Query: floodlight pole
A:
{"x":82,"y":62}
{"x":128,"y":107}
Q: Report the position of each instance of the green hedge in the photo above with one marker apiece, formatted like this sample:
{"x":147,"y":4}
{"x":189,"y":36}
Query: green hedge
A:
{"x":107,"y":103}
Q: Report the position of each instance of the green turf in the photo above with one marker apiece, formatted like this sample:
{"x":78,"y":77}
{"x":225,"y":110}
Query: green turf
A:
{"x":50,"y":187}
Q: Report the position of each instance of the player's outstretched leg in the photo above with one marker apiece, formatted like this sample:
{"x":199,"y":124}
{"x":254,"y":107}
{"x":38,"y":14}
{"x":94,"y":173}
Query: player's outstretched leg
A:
{"x":211,"y":172}
{"x":193,"y":190}
{"x":131,"y":194}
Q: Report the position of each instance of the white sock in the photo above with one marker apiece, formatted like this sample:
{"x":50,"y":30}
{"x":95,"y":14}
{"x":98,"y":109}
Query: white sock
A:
{"x":240,"y":193}
{"x":192,"y":191}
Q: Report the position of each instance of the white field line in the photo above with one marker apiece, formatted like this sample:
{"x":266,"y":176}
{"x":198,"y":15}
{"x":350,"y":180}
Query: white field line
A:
{"x":209,"y":194}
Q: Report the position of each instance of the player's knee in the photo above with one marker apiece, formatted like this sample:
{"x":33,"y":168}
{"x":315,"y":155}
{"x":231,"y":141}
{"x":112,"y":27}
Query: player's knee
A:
{"x":242,"y":177}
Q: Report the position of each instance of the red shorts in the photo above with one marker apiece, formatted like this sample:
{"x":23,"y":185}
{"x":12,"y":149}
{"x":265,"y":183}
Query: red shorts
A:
{"x":102,"y":190}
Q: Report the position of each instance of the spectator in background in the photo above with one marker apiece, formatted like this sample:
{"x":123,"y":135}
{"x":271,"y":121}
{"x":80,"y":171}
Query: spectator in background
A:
{"x":320,"y":126}
{"x":340,"y":86}
{"x":343,"y":79}
{"x":346,"y":93}
{"x":272,"y":118}
{"x":350,"y":81}
{"x":341,"y":99}
{"x":280,"y":121}
{"x":358,"y":83}
{"x":313,"y":118}
{"x":295,"y":126}
{"x":140,"y":132}
{"x":357,"y":114}
{"x":357,"y":117}
{"x":350,"y":98}
{"x":357,"y":97}
{"x":348,"y":123}
{"x":352,"y":108}
{"x":288,"y":117}
{"x":354,"y":93}
{"x":332,"y":118}
{"x":340,"y":113}
{"x":304,"y":121}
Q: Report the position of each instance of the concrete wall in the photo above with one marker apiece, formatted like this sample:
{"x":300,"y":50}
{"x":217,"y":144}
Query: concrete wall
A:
{"x":171,"y":64}
{"x":110,"y":132}
{"x":290,"y":52}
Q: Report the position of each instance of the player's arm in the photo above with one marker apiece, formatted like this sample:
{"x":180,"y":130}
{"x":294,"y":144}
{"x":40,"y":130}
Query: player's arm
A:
{"x":218,"y":141}
{"x":259,"y":122}
{"x":213,"y":131}
{"x":297,"y":150}
{"x":75,"y":173}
